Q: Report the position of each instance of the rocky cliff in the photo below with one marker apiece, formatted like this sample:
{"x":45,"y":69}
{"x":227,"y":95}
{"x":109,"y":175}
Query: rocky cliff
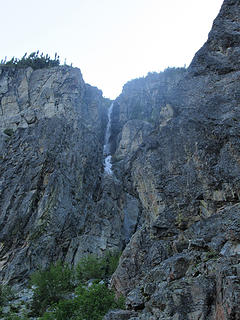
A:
{"x":177,"y":149}
{"x":52,"y":132}
{"x":172,"y":202}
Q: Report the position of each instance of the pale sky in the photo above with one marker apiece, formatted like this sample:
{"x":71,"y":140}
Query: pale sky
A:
{"x":111,"y":41}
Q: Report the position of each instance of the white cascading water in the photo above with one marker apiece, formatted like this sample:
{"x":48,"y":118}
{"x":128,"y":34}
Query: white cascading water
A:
{"x":106,"y":148}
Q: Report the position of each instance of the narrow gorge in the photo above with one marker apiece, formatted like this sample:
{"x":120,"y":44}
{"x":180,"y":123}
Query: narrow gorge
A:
{"x":154,"y":174}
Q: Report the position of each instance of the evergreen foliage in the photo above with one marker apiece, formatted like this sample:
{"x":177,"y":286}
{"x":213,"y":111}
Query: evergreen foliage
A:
{"x":34,"y":60}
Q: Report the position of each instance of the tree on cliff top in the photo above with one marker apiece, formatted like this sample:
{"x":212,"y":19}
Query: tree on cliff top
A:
{"x":34,"y":60}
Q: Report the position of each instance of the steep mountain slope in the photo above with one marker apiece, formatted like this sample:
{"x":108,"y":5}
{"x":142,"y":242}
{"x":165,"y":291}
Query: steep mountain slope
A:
{"x":183,"y":261}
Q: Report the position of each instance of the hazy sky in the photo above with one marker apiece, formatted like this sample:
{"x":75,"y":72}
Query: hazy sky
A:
{"x":111,"y":41}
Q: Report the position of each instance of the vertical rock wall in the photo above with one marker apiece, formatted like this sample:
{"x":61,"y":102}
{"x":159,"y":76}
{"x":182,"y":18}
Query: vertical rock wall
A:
{"x":52,"y":128}
{"x":177,"y":148}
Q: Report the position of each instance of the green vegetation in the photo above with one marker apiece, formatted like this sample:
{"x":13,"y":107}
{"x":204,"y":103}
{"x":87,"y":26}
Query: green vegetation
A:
{"x":93,"y":267}
{"x":12,"y":316}
{"x":60,"y":292}
{"x":51,"y":286}
{"x":90,"y":303}
{"x":33,"y":60}
{"x":5,"y":295}
{"x":169,"y":72}
{"x":94,"y":302}
{"x":65,"y":309}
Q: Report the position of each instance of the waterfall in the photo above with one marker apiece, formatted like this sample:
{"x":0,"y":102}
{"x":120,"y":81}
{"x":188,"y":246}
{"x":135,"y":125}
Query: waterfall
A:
{"x":106,"y":148}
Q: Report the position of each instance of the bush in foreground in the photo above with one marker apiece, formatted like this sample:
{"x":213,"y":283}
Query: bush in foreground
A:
{"x":62,"y":293}
{"x":51,"y":286}
{"x":90,"y":303}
